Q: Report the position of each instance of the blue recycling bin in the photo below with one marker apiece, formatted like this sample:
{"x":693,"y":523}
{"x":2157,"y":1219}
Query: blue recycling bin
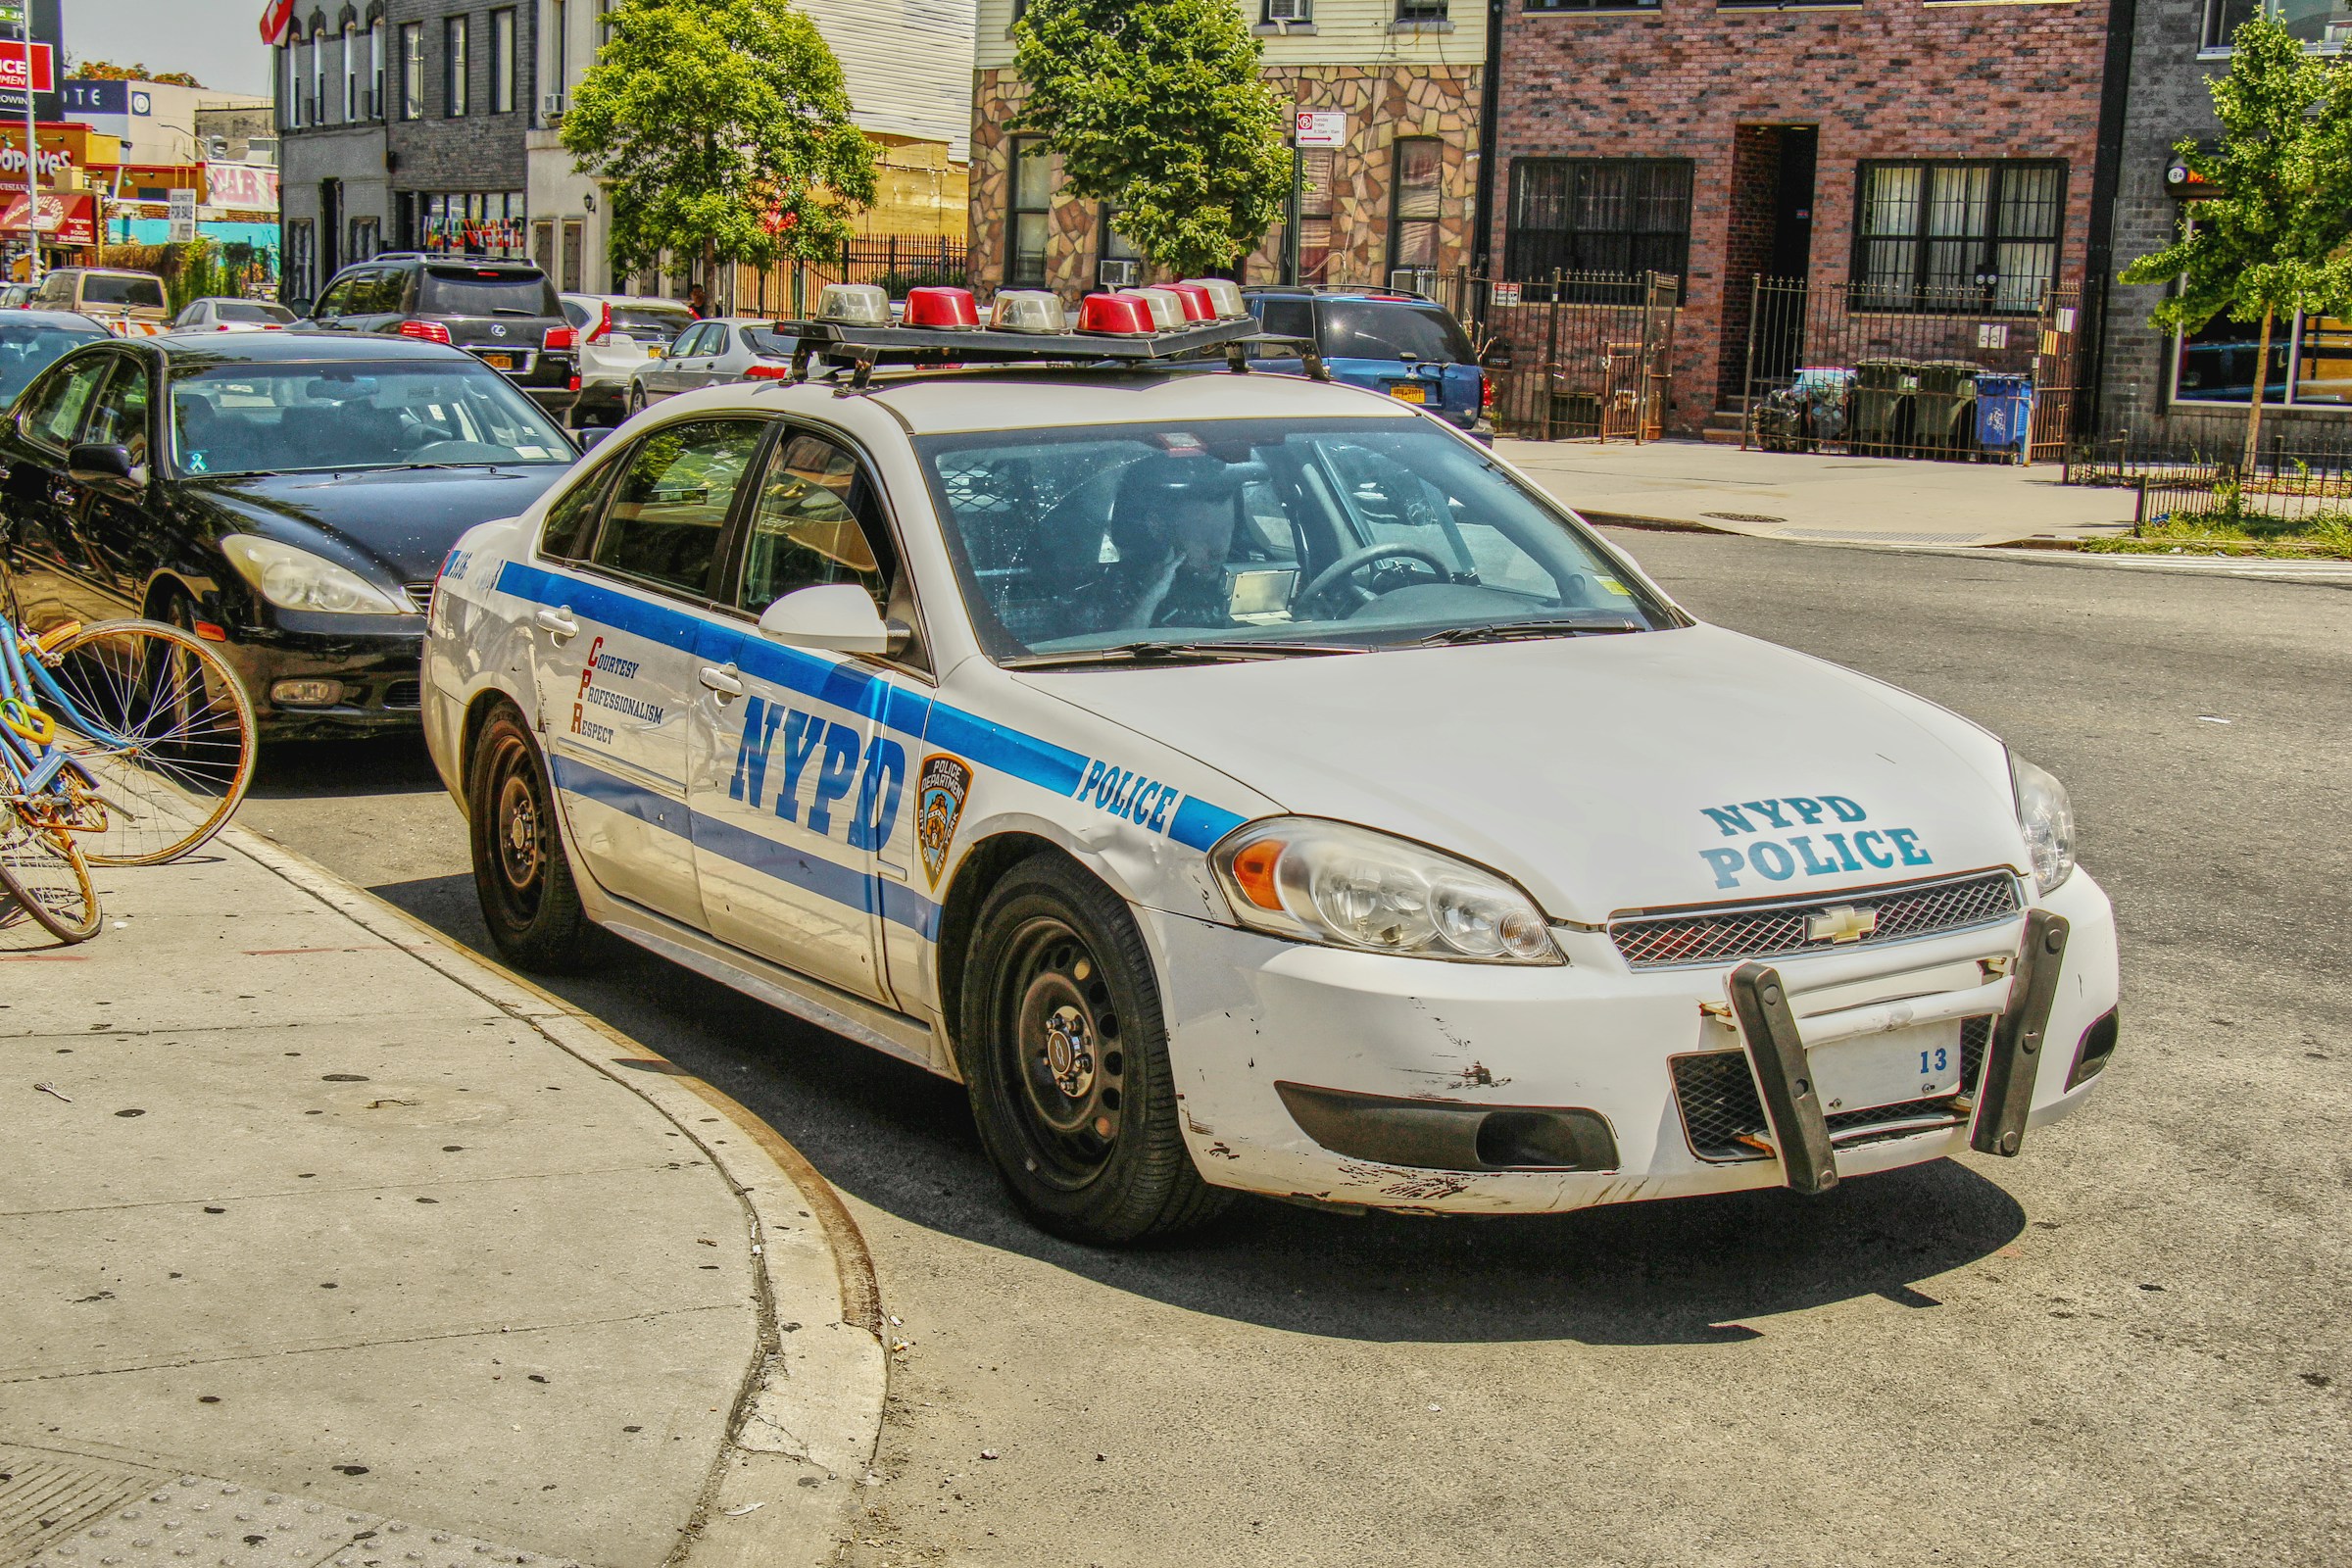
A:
{"x":2004,"y":413}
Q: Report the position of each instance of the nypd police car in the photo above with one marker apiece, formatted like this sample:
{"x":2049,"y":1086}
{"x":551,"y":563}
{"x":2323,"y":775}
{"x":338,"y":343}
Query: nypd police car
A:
{"x":1245,"y":784}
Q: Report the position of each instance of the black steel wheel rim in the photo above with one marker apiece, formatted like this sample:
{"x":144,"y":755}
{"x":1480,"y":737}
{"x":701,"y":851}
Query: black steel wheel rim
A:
{"x":519,"y":830}
{"x":1060,"y":1053}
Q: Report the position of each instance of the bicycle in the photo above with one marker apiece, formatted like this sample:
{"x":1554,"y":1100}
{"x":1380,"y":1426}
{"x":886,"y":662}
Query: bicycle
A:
{"x":123,"y":743}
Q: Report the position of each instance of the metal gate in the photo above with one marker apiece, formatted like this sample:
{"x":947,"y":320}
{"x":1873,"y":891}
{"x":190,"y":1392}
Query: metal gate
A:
{"x":1576,"y":357}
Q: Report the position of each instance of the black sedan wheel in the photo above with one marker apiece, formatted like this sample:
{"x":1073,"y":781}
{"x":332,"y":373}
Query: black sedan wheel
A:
{"x":1066,"y":1059}
{"x":519,"y":871}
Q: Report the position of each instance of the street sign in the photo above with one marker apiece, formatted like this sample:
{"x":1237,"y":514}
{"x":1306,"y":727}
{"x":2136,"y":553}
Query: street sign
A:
{"x":11,"y":66}
{"x":1320,"y":127}
{"x":181,"y":212}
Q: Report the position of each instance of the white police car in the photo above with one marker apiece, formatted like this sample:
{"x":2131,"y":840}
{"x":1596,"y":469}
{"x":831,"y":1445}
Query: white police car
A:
{"x":1244,"y":783}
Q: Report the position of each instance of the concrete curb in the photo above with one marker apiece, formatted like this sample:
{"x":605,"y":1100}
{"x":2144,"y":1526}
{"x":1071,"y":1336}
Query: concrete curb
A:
{"x":808,"y":1413}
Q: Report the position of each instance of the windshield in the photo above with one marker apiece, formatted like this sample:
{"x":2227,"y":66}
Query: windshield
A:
{"x":115,"y":288}
{"x":486,"y":291}
{"x":250,"y":311}
{"x":26,"y":350}
{"x":1369,"y":330}
{"x":759,"y":340}
{"x":1264,"y":532}
{"x":274,"y":418}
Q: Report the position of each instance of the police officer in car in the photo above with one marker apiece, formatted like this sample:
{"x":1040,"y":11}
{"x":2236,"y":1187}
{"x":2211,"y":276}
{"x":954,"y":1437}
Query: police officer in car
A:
{"x":1172,"y":524}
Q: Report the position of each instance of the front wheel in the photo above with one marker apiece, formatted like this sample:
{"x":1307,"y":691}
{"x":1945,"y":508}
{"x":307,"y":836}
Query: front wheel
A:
{"x":1066,"y":1059}
{"x":636,"y":401}
{"x":43,"y":876}
{"x":521,"y":875}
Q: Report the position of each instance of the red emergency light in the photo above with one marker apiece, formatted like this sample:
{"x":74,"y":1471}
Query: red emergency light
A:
{"x":938,"y":306}
{"x":1197,"y":305}
{"x":1115,"y":315}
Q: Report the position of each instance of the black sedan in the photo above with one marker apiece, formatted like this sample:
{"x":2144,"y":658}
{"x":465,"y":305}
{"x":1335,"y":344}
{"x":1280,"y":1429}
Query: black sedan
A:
{"x":290,"y":497}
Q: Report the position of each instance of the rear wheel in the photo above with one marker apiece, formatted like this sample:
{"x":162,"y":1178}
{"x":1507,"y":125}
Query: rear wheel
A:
{"x":521,"y":875}
{"x":1066,"y":1055}
{"x":636,"y":400}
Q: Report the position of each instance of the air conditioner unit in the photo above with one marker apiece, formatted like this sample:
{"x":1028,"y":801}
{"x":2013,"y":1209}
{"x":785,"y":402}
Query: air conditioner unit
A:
{"x":551,"y":107}
{"x":1120,"y":274}
{"x":1290,"y":10}
{"x":1413,"y":280}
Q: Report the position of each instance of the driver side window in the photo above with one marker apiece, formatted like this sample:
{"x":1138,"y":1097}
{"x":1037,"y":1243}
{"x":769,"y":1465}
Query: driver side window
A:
{"x":815,"y":521}
{"x":53,"y":415}
{"x":119,"y":416}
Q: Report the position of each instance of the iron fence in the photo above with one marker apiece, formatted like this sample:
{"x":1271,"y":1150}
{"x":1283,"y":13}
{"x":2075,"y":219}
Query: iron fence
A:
{"x":1829,"y":368}
{"x":2288,"y":490}
{"x":2135,"y":445}
{"x":896,"y":261}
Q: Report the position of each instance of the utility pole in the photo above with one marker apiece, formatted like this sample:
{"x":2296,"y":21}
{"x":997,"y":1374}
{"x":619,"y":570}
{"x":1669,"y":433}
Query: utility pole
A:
{"x":15,"y":11}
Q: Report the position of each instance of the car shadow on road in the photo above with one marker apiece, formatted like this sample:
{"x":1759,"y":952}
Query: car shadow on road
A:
{"x":1682,"y":1271}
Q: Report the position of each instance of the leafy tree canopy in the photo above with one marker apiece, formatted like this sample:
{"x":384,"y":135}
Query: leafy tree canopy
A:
{"x":2278,"y":234}
{"x":108,"y":70}
{"x":722,"y":130}
{"x":1157,"y":106}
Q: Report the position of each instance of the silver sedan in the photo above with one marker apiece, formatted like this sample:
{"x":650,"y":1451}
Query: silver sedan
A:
{"x":724,"y":347}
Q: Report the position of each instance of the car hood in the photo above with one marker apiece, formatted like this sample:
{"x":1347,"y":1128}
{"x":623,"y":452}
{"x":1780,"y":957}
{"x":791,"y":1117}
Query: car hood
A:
{"x":401,"y":520}
{"x":1603,"y":773}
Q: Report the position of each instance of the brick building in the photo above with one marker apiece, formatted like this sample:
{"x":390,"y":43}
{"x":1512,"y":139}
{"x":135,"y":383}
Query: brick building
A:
{"x":1398,"y":194}
{"x":1907,"y":148}
{"x":2192,"y":396}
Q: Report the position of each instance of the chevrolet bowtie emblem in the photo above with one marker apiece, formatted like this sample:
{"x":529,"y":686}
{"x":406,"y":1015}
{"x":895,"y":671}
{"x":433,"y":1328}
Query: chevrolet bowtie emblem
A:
{"x":1841,"y":923}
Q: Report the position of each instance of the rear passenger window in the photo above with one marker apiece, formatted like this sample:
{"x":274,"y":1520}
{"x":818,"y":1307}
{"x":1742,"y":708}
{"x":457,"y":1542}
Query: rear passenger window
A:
{"x":670,"y":504}
{"x":815,"y":523}
{"x":1285,"y":319}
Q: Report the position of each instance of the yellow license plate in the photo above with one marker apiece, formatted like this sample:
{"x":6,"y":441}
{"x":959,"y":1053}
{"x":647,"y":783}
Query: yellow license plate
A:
{"x":499,"y":361}
{"x":1411,"y":392}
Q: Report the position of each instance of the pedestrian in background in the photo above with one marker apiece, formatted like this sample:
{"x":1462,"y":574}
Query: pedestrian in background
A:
{"x":697,"y":302}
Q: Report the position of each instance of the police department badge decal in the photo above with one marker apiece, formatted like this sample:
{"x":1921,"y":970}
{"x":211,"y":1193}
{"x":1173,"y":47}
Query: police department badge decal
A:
{"x":940,"y":791}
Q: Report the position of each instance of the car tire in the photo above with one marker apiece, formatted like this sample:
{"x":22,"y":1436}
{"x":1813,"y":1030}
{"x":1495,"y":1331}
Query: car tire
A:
{"x":636,"y":401}
{"x":520,"y":873}
{"x":1066,"y":1055}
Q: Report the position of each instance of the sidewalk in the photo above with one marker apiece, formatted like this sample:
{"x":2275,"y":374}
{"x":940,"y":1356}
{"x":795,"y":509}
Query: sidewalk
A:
{"x":1790,"y":495}
{"x":329,"y":1243}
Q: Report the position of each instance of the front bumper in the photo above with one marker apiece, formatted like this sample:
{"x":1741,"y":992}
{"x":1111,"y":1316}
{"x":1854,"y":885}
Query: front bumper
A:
{"x":1564,"y":1052}
{"x":378,"y":673}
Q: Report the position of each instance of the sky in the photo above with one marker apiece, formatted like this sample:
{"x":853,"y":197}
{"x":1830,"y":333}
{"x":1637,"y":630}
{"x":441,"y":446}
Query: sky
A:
{"x":217,"y":41}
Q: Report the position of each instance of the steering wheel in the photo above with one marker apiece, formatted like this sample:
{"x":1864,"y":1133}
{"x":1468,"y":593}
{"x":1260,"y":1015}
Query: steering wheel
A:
{"x":1355,"y":560}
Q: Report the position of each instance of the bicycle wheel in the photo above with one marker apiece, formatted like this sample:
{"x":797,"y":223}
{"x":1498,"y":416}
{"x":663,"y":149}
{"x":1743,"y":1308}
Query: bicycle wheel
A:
{"x":164,"y":730}
{"x":42,"y":874}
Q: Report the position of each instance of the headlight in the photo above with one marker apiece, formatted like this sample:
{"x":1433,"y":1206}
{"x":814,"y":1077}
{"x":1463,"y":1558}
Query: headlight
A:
{"x":1348,"y":887}
{"x":2048,"y":818}
{"x":296,"y":579}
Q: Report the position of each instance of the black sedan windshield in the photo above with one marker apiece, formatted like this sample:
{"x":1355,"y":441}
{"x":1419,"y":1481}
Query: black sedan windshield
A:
{"x":28,"y":347}
{"x":272,"y":418}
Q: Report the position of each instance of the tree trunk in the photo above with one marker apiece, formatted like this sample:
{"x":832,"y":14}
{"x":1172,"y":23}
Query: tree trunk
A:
{"x":2262,"y":378}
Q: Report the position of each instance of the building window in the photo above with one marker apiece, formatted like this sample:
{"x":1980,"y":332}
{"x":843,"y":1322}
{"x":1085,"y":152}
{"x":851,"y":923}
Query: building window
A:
{"x":1592,"y":5}
{"x":453,"y":67}
{"x":1961,"y":237}
{"x":1120,"y":265}
{"x":293,"y":85}
{"x":1414,"y":194}
{"x":375,"y":69}
{"x":1420,"y":10}
{"x":1314,"y":214}
{"x":1288,"y":11}
{"x":350,"y":71}
{"x":2318,"y":23}
{"x":298,"y":281}
{"x":365,"y":238}
{"x":2310,"y":367}
{"x":559,"y":45}
{"x":1619,"y":215}
{"x":412,"y":71}
{"x":1032,"y":179}
{"x":502,"y":62}
{"x":318,"y":74}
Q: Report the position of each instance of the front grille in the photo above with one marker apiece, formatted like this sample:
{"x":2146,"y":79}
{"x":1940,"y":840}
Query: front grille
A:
{"x":403,"y":694}
{"x":421,"y":594}
{"x":1717,"y":1094}
{"x":1764,"y":931}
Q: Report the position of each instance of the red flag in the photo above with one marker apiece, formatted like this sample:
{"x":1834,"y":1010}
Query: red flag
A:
{"x":276,"y":17}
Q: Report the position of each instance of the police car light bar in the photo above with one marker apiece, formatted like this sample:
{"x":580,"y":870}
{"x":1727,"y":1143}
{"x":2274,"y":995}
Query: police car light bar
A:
{"x":1116,"y":333}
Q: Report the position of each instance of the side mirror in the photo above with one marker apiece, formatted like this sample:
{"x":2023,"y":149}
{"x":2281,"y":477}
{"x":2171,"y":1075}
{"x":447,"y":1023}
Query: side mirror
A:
{"x":299,"y":305}
{"x":838,"y":616}
{"x":588,"y":435}
{"x":103,"y":466}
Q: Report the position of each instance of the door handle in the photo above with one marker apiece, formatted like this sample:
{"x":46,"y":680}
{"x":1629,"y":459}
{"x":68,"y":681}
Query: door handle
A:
{"x":557,"y":623}
{"x":727,"y":681}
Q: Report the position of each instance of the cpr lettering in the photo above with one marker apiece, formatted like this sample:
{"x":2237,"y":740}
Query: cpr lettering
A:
{"x":1814,"y":855}
{"x":881,"y":780}
{"x":1141,"y":801}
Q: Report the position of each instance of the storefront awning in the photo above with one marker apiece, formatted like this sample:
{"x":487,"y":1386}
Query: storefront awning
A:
{"x":66,"y":218}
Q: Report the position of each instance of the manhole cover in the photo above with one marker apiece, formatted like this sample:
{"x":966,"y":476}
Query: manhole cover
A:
{"x":1742,"y":517}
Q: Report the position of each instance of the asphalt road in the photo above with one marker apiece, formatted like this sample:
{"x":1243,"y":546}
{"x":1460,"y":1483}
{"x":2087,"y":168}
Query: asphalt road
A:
{"x":2126,"y":1346}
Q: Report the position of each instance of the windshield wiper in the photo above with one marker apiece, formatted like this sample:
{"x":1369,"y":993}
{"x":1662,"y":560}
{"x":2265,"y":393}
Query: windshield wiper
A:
{"x":1518,"y":630}
{"x":1207,"y":652}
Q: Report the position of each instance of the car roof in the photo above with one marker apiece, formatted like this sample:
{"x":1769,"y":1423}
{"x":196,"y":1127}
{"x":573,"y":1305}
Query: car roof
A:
{"x":628,"y":299}
{"x":1368,"y":296}
{"x":1055,"y":397}
{"x":72,"y":320}
{"x":296,"y":348}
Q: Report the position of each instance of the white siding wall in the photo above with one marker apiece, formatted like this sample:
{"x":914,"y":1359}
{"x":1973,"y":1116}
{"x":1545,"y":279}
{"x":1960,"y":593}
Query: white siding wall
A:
{"x":1347,"y":32}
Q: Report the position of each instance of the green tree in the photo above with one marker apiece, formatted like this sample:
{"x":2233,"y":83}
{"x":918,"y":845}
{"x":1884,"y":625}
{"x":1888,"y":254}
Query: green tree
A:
{"x":721,"y":129}
{"x":2277,"y":237}
{"x":1157,"y":106}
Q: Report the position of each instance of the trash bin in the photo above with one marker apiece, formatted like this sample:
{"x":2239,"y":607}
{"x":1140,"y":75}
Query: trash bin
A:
{"x":1823,"y":390}
{"x":1942,"y":418}
{"x":2004,"y":413}
{"x":1883,"y":412}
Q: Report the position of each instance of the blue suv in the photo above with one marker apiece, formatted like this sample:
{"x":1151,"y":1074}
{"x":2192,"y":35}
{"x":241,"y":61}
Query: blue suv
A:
{"x":1404,"y":345}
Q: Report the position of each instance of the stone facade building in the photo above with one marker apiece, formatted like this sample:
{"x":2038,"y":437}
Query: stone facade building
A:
{"x":1398,"y":195}
{"x":1912,"y":145}
{"x":2188,"y":397}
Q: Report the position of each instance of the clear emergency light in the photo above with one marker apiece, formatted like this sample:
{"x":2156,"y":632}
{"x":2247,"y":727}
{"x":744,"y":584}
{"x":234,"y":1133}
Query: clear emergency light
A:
{"x":854,"y":303}
{"x":1225,"y":297}
{"x":1027,"y":310}
{"x":1167,"y":309}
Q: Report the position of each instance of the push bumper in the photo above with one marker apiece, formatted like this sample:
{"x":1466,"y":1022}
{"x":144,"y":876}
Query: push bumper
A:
{"x":1351,"y":1078}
